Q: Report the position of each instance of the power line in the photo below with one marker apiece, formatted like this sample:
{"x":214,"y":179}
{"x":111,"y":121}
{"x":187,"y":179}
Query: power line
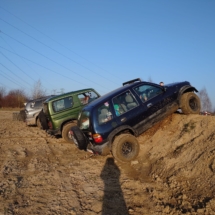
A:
{"x":57,"y":51}
{"x":53,"y":60}
{"x":67,"y":77}
{"x":17,"y":66}
{"x":12,"y":71}
{"x":10,"y":79}
{"x":4,"y":85}
{"x":22,"y":59}
{"x":58,"y":42}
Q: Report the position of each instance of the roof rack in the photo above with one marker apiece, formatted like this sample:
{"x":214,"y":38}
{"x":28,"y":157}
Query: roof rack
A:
{"x":131,"y":81}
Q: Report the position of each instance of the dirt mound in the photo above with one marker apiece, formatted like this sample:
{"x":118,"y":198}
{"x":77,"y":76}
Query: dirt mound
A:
{"x":173,"y":174}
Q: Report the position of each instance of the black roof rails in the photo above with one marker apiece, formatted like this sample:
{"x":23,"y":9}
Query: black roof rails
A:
{"x":131,"y":81}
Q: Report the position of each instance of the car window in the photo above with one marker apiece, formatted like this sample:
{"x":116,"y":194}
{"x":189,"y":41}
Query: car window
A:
{"x":84,"y":120}
{"x":35,"y":104}
{"x":87,"y":97}
{"x":93,"y":96}
{"x":62,"y":104}
{"x":124,"y":102}
{"x":84,"y":98}
{"x":104,"y":113}
{"x":32,"y":104}
{"x":38,"y":104}
{"x":146,"y":91}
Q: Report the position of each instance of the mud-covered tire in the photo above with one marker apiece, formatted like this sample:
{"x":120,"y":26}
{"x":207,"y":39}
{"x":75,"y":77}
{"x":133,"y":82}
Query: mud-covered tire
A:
{"x":80,"y":139}
{"x":190,"y":103}
{"x":125,"y":148}
{"x":43,"y":120}
{"x":65,"y":132}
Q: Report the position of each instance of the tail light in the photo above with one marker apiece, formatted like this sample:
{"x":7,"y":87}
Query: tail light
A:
{"x":97,"y":138}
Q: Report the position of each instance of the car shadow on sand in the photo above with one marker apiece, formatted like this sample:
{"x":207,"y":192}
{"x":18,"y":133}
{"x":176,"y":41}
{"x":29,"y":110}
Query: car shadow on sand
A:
{"x":113,"y":199}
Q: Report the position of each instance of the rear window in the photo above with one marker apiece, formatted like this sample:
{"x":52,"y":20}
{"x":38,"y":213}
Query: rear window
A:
{"x":34,"y":105}
{"x":38,"y":104}
{"x":104,"y":113}
{"x":84,"y":121}
{"x":62,"y":104}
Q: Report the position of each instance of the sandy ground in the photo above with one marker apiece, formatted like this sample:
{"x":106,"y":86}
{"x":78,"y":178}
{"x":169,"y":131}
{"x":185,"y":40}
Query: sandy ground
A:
{"x":173,"y":174}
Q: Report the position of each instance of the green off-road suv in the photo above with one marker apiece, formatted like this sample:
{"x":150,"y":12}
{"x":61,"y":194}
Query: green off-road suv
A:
{"x":62,"y":111}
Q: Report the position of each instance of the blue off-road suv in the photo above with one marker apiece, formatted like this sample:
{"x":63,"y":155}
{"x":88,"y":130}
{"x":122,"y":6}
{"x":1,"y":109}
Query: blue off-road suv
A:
{"x":113,"y":121}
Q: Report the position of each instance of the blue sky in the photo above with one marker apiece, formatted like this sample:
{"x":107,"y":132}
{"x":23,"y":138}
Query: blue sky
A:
{"x":69,"y":45}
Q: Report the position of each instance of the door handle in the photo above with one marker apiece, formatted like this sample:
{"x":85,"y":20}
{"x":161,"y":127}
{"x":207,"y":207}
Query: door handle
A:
{"x":149,"y":105}
{"x":123,"y":119}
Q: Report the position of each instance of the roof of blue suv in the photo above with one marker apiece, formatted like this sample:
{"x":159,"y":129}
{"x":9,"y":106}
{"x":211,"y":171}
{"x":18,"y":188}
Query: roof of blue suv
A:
{"x":113,"y":93}
{"x":126,"y":86}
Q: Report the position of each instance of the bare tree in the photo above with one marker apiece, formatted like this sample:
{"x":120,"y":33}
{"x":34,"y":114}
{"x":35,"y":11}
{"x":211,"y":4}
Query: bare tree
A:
{"x":38,"y":90}
{"x":205,"y":100}
{"x":15,"y":98}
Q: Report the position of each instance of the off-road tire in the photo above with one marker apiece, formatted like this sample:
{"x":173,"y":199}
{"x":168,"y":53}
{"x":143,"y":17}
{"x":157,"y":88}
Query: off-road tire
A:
{"x":190,"y":103}
{"x":65,"y":132}
{"x":43,"y":120}
{"x":125,"y":148}
{"x":80,"y":139}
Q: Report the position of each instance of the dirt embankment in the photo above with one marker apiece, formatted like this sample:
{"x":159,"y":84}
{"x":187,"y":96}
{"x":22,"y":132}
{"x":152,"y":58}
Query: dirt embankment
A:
{"x":173,"y":174}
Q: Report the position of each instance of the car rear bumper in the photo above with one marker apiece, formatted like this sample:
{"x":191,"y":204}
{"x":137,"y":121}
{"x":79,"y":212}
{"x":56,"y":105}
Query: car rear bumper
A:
{"x":103,"y":149}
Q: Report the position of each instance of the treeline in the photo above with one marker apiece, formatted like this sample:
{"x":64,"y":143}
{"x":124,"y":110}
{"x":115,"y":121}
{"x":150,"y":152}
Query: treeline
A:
{"x":17,"y":98}
{"x":12,"y":99}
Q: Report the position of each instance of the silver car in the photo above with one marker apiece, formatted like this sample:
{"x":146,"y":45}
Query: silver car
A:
{"x":32,"y":110}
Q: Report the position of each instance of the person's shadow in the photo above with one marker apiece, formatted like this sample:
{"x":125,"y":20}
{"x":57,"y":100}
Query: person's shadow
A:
{"x":113,"y":199}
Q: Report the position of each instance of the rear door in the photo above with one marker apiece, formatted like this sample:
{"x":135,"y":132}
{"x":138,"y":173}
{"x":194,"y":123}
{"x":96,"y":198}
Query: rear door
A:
{"x":127,"y":109}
